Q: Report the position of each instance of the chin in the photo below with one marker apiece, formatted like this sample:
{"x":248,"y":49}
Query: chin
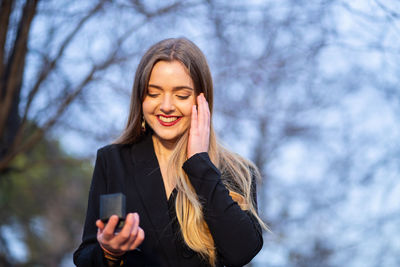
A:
{"x":169,"y":137}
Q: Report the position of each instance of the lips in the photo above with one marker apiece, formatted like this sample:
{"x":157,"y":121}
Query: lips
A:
{"x":168,"y":120}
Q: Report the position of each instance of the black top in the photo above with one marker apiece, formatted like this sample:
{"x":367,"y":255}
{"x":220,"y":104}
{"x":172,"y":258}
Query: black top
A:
{"x":134,"y":171}
{"x":182,"y":249}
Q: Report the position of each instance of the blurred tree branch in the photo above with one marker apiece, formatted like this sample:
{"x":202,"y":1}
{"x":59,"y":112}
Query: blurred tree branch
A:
{"x":15,"y":136}
{"x":12,"y":128}
{"x":12,"y":72}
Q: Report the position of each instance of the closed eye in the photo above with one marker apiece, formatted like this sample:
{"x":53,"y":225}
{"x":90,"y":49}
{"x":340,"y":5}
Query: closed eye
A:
{"x":183,"y":96}
{"x":153,"y":95}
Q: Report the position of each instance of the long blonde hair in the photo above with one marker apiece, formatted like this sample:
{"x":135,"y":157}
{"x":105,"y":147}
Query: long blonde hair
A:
{"x":237,"y":173}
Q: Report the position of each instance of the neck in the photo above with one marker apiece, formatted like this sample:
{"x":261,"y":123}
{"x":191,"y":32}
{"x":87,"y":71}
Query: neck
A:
{"x":163,"y":148}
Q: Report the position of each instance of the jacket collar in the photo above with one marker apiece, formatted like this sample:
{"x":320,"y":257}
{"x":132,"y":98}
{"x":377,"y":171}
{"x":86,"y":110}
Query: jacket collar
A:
{"x":150,"y":187}
{"x":143,"y":151}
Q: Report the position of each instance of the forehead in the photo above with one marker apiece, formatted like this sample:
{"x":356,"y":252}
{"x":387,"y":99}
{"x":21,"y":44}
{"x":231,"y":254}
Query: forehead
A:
{"x":170,"y":72}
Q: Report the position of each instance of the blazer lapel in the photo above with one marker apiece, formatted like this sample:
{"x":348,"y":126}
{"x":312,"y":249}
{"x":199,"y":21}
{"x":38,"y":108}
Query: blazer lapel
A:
{"x":150,"y":186}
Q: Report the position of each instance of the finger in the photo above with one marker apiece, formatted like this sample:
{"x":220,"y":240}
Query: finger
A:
{"x":205,"y":131}
{"x":137,"y":221}
{"x":194,"y":122}
{"x":133,"y":234}
{"x":100,"y":225}
{"x":200,"y":110}
{"x":207,"y":111}
{"x":100,"y":228}
{"x":204,"y":124}
{"x":139,"y":239}
{"x":108,"y":231}
{"x":124,"y":234}
{"x":99,"y":234}
{"x":205,"y":108}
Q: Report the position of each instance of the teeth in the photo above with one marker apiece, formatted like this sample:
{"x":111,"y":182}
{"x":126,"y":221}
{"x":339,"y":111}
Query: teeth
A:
{"x":165,"y":119}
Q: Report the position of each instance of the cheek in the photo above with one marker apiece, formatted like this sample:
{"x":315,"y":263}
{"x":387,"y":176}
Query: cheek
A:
{"x":147,"y":111}
{"x":188,"y":109}
{"x":146,"y":107}
{"x":190,"y":105}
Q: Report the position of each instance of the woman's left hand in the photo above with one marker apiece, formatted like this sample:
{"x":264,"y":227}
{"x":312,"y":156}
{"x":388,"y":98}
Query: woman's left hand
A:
{"x":199,"y":134}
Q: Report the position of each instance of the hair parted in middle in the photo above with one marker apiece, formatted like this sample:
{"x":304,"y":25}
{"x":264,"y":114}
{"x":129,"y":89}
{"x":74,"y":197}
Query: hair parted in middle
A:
{"x":238,"y":174}
{"x":180,"y":49}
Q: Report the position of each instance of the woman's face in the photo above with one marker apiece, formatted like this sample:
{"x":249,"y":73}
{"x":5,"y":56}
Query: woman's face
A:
{"x":167,"y":106}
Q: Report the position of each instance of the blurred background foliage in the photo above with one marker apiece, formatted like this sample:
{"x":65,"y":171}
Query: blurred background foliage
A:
{"x":41,"y":203}
{"x":306,"y":89}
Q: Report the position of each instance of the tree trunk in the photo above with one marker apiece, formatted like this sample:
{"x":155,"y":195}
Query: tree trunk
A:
{"x":12,"y":72}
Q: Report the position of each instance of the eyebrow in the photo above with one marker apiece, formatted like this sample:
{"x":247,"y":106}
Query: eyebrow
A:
{"x":176,"y":88}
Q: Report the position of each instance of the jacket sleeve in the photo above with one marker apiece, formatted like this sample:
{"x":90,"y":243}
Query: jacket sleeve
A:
{"x":89,"y":252}
{"x":236,"y":233}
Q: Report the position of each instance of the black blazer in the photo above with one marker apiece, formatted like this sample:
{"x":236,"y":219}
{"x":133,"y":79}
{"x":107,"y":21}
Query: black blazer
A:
{"x":134,"y":170}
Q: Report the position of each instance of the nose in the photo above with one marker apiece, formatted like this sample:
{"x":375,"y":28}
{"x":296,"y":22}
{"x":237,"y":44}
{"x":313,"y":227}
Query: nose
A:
{"x":167,"y":104}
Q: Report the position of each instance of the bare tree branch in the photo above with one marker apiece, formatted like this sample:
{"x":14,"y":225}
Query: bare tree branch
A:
{"x":20,"y":146}
{"x":12,"y":80}
{"x":49,"y":66}
{"x":5,"y":12}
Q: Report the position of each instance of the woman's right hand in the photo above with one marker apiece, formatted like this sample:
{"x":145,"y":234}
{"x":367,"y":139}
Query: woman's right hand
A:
{"x":129,"y":238}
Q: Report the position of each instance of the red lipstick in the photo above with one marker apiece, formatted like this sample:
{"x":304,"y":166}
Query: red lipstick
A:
{"x":163,"y":123}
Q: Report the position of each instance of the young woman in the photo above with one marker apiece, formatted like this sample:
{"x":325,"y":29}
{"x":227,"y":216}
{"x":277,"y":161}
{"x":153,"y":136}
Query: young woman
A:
{"x":190,"y":202}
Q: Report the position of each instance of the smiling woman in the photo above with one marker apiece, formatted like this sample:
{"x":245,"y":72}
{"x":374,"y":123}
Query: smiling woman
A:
{"x":168,"y":103}
{"x":190,"y":202}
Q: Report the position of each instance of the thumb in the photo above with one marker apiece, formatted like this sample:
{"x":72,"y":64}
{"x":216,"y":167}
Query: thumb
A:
{"x":100,"y":225}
